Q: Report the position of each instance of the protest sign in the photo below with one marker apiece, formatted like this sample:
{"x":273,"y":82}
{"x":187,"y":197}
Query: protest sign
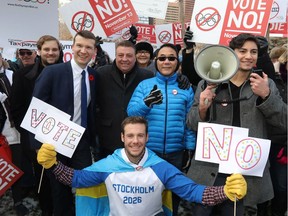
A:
{"x":103,"y":18}
{"x":29,"y":22}
{"x":232,"y":149}
{"x":9,"y":173}
{"x":278,"y":30}
{"x":146,"y":33}
{"x":169,"y":33}
{"x":151,"y":8}
{"x":278,"y":11}
{"x":278,"y":19}
{"x":52,"y":126}
{"x":217,"y":22}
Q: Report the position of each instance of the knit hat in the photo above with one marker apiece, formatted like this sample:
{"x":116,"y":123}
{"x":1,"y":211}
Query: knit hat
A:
{"x":144,"y":46}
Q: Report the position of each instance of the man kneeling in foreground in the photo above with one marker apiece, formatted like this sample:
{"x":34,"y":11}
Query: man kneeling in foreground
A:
{"x":135,"y":177}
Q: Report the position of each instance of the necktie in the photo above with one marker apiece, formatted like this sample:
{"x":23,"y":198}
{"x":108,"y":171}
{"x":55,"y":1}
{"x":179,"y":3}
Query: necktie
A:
{"x":83,"y":100}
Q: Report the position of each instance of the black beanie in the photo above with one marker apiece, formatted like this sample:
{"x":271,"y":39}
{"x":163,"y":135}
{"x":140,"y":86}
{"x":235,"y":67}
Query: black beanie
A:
{"x":144,"y":46}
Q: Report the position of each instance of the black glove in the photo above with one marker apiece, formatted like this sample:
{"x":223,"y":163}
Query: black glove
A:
{"x":134,"y":34}
{"x":155,"y":97}
{"x":183,"y":82}
{"x":188,"y":36}
{"x":98,"y":43}
{"x":186,"y":162}
{"x":264,"y":45}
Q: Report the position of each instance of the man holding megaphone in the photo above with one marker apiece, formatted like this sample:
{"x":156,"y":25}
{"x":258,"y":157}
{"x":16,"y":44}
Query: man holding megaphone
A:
{"x":239,"y":98}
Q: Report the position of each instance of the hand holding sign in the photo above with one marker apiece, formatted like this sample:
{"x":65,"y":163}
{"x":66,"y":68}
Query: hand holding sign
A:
{"x":46,"y":156}
{"x":235,"y":187}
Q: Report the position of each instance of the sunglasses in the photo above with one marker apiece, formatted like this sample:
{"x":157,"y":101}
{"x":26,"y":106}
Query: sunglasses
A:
{"x":22,"y":53}
{"x":170,"y":58}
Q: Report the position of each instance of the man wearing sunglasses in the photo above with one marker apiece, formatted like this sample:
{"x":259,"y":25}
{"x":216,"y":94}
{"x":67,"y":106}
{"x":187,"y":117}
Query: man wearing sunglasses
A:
{"x":49,"y":50}
{"x":27,"y":56}
{"x":115,"y":86}
{"x":165,"y":105}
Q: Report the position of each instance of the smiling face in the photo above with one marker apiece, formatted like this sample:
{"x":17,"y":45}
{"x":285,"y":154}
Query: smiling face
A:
{"x":134,"y":138}
{"x":49,"y":52}
{"x":247,"y":55}
{"x":167,"y":67}
{"x":125,"y":58}
{"x":143,"y":58}
{"x":27,"y":56}
{"x":83,"y":49}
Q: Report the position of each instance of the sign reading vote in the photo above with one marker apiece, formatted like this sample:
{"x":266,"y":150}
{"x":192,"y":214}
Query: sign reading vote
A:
{"x":52,"y":126}
{"x":9,"y":173}
{"x":232,"y":149}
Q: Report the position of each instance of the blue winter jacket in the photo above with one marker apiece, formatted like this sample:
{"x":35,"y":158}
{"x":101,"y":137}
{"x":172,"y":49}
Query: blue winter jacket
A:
{"x":166,"y":122}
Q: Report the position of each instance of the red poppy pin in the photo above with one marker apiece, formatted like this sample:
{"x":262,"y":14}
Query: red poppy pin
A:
{"x":91,"y":77}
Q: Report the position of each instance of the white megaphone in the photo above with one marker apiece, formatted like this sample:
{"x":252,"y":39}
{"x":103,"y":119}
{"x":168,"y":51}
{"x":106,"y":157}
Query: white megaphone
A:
{"x":216,"y":63}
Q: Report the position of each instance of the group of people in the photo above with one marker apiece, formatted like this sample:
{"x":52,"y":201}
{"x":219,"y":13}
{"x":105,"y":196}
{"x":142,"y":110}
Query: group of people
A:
{"x":140,"y":115}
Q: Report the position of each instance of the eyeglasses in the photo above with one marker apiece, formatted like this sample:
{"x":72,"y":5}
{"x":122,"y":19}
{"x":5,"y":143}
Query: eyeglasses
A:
{"x":143,"y":52}
{"x":170,"y":58}
{"x":22,"y":53}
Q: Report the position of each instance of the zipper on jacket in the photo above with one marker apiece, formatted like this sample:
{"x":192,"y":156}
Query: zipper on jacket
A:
{"x":166,"y":110}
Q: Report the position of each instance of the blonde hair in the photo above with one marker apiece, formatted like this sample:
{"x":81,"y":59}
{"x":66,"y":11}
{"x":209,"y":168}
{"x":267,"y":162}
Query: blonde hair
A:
{"x":283,"y":58}
{"x":276,"y":52}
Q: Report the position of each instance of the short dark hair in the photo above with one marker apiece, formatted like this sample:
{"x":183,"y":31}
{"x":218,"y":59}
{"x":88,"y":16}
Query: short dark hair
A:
{"x":126,"y":43}
{"x":86,"y":34}
{"x":134,"y":120}
{"x":238,"y":41}
{"x":172,"y":46}
{"x":45,"y":38}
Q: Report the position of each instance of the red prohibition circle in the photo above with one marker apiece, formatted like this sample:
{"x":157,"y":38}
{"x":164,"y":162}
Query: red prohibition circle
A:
{"x":82,"y":15}
{"x":126,"y":35}
{"x":165,"y":37}
{"x":274,"y":6}
{"x":213,"y":12}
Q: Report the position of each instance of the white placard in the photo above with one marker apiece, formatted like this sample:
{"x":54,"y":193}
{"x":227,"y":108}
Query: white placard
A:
{"x":232,"y":149}
{"x":26,"y":21}
{"x":250,"y":157}
{"x":278,"y":12}
{"x":51,"y":125}
{"x":151,"y":8}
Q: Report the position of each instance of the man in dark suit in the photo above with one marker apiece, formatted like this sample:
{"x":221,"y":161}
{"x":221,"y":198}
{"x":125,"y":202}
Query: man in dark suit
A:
{"x":115,"y":86}
{"x":61,"y":86}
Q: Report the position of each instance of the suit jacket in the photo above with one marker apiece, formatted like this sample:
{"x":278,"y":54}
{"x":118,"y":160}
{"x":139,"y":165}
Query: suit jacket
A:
{"x":55,"y":87}
{"x":113,"y":95}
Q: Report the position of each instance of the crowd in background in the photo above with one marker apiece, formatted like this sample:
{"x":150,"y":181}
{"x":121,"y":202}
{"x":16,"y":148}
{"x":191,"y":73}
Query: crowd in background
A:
{"x":136,"y":83}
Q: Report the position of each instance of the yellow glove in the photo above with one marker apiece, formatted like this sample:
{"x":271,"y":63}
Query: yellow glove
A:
{"x":46,"y":156}
{"x":235,"y":186}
